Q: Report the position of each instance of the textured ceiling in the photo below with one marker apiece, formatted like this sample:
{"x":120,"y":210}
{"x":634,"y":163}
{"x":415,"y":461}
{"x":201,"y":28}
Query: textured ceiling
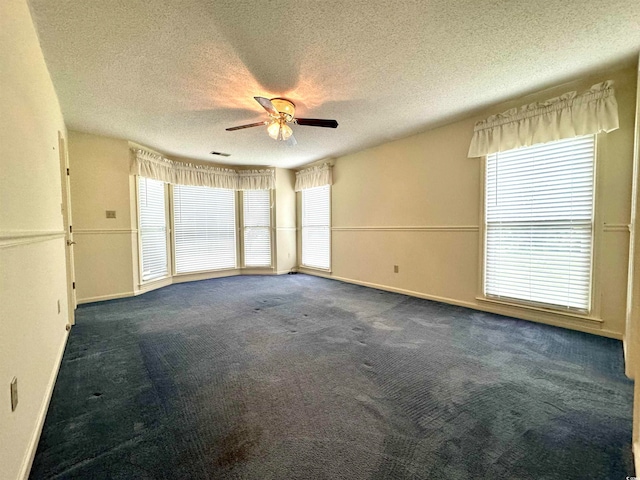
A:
{"x":173,"y":74}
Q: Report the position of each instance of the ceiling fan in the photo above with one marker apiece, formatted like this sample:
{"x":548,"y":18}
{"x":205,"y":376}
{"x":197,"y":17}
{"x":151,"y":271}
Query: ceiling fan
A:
{"x":281,"y":112}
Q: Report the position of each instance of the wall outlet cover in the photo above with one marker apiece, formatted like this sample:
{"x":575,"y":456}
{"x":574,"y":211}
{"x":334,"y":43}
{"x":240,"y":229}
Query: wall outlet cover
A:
{"x":111,"y":214}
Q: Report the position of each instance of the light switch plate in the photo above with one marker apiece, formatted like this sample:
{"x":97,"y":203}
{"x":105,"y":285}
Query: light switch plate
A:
{"x":14,"y":394}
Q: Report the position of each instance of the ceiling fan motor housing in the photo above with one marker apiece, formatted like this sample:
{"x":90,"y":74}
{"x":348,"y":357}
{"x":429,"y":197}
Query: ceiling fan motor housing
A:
{"x":286,"y":108}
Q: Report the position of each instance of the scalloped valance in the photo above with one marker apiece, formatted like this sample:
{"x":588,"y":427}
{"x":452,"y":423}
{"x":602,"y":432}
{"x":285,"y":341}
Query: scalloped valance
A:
{"x":150,"y":165}
{"x":569,"y":115}
{"x":313,"y":177}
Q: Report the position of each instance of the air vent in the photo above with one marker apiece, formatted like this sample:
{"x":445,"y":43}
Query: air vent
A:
{"x":221,"y":154}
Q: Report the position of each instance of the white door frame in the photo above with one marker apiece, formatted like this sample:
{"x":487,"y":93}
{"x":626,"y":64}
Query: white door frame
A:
{"x":67,"y":220}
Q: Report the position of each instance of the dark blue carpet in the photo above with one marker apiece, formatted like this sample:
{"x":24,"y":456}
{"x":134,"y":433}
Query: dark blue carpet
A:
{"x":298,"y":377}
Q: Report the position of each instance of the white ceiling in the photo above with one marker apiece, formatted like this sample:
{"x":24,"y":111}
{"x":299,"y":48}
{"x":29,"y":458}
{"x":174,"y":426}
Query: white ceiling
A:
{"x":173,"y":74}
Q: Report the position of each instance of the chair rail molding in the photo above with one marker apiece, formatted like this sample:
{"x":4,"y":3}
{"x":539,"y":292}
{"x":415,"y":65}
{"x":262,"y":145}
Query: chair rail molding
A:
{"x":25,"y":237}
{"x":417,"y":228}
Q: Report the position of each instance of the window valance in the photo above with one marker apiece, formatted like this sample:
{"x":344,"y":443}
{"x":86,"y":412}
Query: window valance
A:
{"x":150,"y":165}
{"x":569,"y":115}
{"x":313,"y":177}
{"x":256,"y":179}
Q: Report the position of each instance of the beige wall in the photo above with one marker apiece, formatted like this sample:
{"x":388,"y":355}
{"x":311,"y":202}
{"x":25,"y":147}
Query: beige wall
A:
{"x":286,"y":257}
{"x":32,"y":243}
{"x":100,"y":181}
{"x":415,"y":203}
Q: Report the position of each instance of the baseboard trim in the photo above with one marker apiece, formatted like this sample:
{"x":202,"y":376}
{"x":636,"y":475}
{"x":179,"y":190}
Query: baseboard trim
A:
{"x":410,"y":293}
{"x":474,"y":306}
{"x":545,"y":311}
{"x":183,"y":278}
{"x":387,"y":288}
{"x":101,"y":298}
{"x":27,"y":463}
{"x":568,"y":323}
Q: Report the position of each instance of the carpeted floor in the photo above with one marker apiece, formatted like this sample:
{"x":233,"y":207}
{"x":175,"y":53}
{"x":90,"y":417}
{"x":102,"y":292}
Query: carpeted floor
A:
{"x":298,"y":377}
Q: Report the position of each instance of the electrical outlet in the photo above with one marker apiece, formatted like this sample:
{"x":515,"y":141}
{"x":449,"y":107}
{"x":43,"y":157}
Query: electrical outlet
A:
{"x":14,"y":394}
{"x":111,"y":214}
{"x":395,"y":269}
{"x":58,"y":306}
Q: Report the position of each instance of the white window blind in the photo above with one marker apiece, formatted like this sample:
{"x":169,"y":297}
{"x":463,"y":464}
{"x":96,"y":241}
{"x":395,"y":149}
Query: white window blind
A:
{"x":539,"y":223}
{"x":204,"y":228}
{"x":257,"y":228}
{"x":316,"y":227}
{"x":153,"y":228}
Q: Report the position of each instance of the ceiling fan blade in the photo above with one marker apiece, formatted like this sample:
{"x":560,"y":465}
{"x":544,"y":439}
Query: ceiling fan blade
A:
{"x":317,"y":122}
{"x":267,"y":105}
{"x":231,"y":129}
{"x":291,"y":141}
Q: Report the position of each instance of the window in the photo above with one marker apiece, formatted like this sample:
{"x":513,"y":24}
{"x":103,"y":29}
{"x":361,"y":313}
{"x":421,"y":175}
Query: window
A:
{"x":539,"y":223}
{"x":316,"y":227}
{"x":153,"y":229}
{"x":257,"y":228}
{"x":204,"y":228}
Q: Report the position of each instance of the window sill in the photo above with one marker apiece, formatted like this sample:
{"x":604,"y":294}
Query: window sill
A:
{"x":153,"y":280}
{"x":561,"y":313}
{"x":202,"y":272}
{"x":257,"y":271}
{"x":317,"y":269}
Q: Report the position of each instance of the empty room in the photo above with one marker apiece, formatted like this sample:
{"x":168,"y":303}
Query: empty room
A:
{"x":319,"y":240}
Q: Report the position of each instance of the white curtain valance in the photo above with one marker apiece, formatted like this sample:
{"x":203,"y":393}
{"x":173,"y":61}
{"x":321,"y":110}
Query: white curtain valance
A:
{"x":313,"y":177}
{"x":256,"y":179}
{"x":569,"y":115}
{"x":150,"y":165}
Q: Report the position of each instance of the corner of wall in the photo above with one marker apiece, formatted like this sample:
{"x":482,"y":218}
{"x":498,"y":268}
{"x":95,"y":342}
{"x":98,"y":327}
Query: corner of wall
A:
{"x":106,"y":248}
{"x":286,"y":251}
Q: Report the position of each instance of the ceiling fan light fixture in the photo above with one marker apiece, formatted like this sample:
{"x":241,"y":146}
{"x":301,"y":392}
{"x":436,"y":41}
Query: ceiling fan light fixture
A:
{"x":286,"y":108}
{"x":282,"y":111}
{"x":273,"y":129}
{"x":285,"y":131}
{"x":279,"y":130}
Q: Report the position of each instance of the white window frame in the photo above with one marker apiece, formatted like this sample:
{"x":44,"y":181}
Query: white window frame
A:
{"x":241,"y":236}
{"x":174,"y":246}
{"x":302,"y":227}
{"x":168,"y":228}
{"x":240,"y":264}
{"x":593,"y":308}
